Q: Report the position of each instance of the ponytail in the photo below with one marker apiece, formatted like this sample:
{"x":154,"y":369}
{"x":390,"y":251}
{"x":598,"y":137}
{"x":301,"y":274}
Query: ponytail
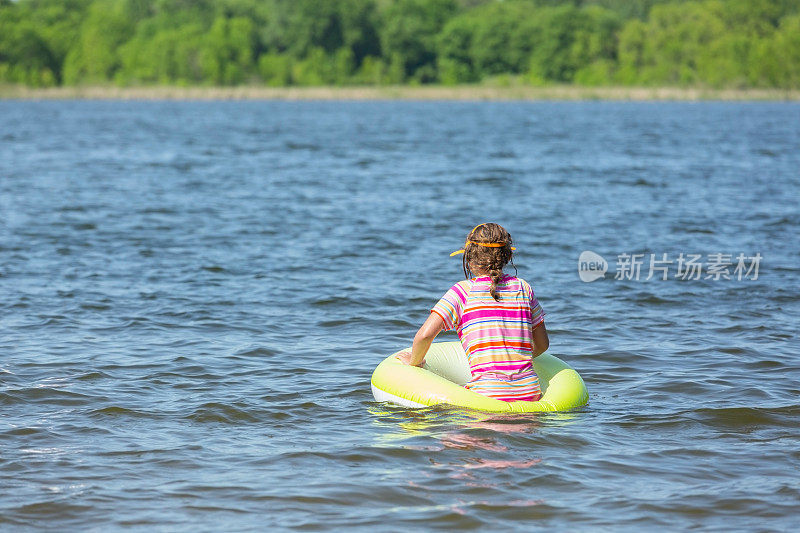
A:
{"x":496,"y":276}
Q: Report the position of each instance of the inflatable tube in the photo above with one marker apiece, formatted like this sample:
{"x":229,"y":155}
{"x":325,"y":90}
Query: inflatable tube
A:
{"x":446,"y":370}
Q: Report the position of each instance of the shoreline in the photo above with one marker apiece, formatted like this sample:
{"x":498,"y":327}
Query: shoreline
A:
{"x":401,"y":92}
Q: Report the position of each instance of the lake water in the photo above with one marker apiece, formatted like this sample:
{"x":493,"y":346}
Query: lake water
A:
{"x":193,"y":296}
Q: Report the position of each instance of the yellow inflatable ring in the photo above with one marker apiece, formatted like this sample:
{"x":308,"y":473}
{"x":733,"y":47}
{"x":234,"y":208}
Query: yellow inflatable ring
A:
{"x":446,"y":370}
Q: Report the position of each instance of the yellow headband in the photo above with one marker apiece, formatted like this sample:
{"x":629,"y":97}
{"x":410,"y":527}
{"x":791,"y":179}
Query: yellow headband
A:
{"x":484,"y":244}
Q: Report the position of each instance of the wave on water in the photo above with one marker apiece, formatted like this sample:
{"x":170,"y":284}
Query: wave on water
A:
{"x":191,"y":311}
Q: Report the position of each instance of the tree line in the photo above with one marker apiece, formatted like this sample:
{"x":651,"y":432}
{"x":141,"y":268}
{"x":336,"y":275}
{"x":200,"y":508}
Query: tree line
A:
{"x":716,"y":43}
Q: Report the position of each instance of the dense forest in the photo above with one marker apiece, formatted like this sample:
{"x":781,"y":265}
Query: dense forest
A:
{"x":714,"y":43}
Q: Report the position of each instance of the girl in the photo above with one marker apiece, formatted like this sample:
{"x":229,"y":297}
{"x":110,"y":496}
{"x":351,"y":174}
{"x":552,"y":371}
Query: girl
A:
{"x":497,"y":317}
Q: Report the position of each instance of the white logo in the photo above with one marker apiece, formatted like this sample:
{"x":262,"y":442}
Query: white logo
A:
{"x":591,"y":266}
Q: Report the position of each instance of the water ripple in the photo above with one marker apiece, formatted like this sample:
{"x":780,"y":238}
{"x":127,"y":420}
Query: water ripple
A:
{"x":194,"y":295}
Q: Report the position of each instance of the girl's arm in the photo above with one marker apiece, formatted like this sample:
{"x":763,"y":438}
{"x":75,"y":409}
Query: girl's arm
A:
{"x":422,"y":341}
{"x":540,"y":340}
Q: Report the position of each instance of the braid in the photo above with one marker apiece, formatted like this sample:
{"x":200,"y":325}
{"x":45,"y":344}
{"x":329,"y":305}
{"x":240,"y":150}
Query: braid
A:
{"x":496,"y":276}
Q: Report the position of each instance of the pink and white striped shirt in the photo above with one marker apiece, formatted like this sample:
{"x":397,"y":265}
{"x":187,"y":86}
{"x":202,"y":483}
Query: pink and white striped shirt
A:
{"x":497,"y":335}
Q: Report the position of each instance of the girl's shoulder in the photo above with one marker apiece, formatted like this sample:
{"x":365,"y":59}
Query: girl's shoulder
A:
{"x":514,"y":282}
{"x":464,"y":284}
{"x":461,"y":289}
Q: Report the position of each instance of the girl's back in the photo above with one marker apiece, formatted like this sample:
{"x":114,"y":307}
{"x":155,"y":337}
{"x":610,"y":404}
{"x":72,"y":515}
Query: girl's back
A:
{"x":496,"y":334}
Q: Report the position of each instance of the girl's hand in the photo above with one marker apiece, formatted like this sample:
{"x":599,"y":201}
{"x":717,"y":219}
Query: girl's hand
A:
{"x":405,"y":358}
{"x":422,"y":340}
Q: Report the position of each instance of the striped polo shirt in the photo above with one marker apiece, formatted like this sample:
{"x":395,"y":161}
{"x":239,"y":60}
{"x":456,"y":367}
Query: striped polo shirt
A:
{"x":496,"y":335}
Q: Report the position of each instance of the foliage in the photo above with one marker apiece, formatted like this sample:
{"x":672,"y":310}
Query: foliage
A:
{"x":718,"y":43}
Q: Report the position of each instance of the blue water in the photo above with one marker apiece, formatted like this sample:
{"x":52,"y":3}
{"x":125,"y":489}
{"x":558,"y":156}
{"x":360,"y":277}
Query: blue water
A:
{"x":193,"y":296}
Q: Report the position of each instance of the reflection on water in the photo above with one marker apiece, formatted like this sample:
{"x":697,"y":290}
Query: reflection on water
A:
{"x":441,"y":421}
{"x":454,"y":428}
{"x":476,"y":440}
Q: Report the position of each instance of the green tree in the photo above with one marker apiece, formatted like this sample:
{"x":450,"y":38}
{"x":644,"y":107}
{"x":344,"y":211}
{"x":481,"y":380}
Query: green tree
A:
{"x":409,"y":32}
{"x":567,"y":40}
{"x":787,"y":49}
{"x":776,"y":60}
{"x":275,"y":69}
{"x":343,"y":65}
{"x":590,"y":42}
{"x":94,"y":57}
{"x":669,"y":46}
{"x":58,"y":23}
{"x":315,"y":69}
{"x":226,"y":56}
{"x":371,"y":72}
{"x":24,"y":55}
{"x":163,"y":55}
{"x":454,"y":45}
{"x":716,"y":43}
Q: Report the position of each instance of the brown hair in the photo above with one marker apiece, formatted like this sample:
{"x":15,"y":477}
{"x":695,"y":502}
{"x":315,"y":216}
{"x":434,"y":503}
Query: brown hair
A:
{"x":485,"y":258}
